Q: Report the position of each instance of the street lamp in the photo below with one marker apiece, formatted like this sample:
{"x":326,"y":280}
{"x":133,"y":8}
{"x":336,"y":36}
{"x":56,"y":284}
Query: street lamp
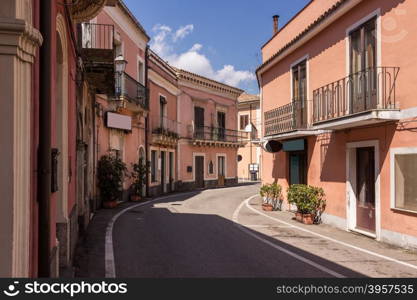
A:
{"x":120,"y":66}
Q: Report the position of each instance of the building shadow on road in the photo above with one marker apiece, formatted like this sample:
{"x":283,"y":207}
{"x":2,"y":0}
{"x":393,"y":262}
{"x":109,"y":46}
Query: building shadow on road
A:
{"x":159,"y":241}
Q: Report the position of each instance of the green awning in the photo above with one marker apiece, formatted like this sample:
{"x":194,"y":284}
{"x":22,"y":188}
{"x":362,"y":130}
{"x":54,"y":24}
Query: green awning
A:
{"x":294,"y":145}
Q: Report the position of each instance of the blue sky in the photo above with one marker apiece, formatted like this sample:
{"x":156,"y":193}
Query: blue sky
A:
{"x":218,"y":38}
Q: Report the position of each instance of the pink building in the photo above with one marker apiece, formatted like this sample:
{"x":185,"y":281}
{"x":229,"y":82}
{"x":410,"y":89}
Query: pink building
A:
{"x":209,"y":138}
{"x":114,"y":47}
{"x":338,"y":104}
{"x":163,"y":126}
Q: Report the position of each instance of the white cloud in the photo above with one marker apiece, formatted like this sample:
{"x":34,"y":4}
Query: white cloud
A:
{"x":182,"y":32}
{"x":193,"y":60}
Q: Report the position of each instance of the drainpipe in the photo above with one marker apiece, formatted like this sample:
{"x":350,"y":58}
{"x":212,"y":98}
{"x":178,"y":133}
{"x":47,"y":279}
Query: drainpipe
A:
{"x":147,"y":117}
{"x":44,"y":151}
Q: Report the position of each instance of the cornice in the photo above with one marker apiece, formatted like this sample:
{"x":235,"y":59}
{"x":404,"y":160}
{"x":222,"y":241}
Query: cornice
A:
{"x":17,"y":37}
{"x":196,"y":81}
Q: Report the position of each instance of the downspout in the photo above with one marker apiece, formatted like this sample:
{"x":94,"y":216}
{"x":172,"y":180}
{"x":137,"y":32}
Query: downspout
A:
{"x":44,"y":151}
{"x":147,"y":117}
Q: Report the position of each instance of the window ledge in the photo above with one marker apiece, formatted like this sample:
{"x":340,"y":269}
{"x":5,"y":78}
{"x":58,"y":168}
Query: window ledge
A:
{"x":404,"y":210}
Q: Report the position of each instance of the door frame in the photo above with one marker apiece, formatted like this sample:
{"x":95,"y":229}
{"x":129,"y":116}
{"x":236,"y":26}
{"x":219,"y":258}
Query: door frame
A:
{"x":351,"y":182}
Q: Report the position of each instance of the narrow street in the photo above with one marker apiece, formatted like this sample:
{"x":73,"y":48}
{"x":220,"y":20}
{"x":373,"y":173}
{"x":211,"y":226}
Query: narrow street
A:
{"x":196,"y":235}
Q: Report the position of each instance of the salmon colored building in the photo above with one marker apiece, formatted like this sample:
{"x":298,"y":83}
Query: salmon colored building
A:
{"x":114,"y":47}
{"x":209,"y":139}
{"x":250,"y":122}
{"x":163,"y":126}
{"x":338,"y":104}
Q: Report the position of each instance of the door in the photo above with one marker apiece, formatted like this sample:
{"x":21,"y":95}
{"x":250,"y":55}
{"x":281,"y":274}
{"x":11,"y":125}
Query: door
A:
{"x":221,"y":125}
{"x":199,"y":122}
{"x":171,"y":171}
{"x":221,"y":170}
{"x":363,"y":78}
{"x":365,"y":189}
{"x":199,"y":171}
{"x":298,"y":168}
{"x":163,"y":171}
{"x":299,"y":74}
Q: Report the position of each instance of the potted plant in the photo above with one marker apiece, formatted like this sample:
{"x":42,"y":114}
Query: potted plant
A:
{"x":272,"y":197}
{"x":139,"y":173}
{"x":309,"y":201}
{"x":110,"y":172}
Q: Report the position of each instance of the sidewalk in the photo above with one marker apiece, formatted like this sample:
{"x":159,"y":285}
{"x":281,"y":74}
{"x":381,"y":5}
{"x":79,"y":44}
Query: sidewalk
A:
{"x":346,"y":248}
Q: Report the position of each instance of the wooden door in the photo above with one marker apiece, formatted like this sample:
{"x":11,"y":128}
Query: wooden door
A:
{"x":199,"y":122}
{"x":199,"y":171}
{"x":163,"y":171}
{"x":365,"y":192}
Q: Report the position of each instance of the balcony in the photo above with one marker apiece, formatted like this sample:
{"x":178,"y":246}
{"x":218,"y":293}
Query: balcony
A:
{"x":364,"y":98}
{"x":288,"y":121}
{"x":165,"y":132}
{"x":131,"y":93}
{"x":98,"y":52}
{"x":218,"y":137}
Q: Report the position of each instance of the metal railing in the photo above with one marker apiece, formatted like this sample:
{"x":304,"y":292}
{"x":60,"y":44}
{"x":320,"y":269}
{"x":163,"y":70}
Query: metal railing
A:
{"x":165,"y":127}
{"x":370,"y":89}
{"x":207,"y":133}
{"x":135,"y":92}
{"x":287,"y":118}
{"x":97,"y":36}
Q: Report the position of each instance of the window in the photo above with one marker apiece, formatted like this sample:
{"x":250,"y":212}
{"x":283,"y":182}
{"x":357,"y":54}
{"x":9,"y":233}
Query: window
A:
{"x":162,"y":111}
{"x":405,"y":191}
{"x":141,"y":72}
{"x":244,"y":121}
{"x":221,"y":124}
{"x":154,"y":162}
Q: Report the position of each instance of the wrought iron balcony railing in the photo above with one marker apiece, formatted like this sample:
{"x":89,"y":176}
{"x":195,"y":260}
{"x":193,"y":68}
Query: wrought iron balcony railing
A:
{"x":287,"y":118}
{"x":206,"y":133}
{"x":132,"y":90}
{"x":165,"y":126}
{"x":97,"y":36}
{"x":370,"y":89}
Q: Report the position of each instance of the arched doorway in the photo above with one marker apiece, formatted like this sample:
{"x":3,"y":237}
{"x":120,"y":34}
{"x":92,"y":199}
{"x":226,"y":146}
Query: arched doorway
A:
{"x":61,"y":141}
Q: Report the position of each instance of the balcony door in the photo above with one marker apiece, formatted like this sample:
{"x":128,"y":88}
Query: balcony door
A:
{"x":199,"y":122}
{"x":363,"y":72}
{"x":299,"y":92}
{"x":221,"y":125}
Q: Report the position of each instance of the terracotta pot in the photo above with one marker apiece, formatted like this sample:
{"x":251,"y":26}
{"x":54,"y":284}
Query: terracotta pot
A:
{"x":299,"y":217}
{"x":308,"y":219}
{"x":110,"y":204}
{"x":135,"y":198}
{"x":267,"y":207}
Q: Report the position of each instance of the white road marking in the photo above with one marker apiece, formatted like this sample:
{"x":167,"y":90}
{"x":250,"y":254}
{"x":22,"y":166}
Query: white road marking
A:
{"x":246,"y":203}
{"x":281,"y":249}
{"x":110,"y":269}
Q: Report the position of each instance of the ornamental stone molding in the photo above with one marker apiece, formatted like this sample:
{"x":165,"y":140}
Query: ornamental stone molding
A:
{"x":85,"y":10}
{"x":19,"y":38}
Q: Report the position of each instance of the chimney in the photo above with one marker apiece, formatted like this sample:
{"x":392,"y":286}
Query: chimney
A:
{"x":275,"y":18}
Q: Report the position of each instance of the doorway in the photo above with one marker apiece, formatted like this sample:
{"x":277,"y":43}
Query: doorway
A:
{"x":297,"y":167}
{"x":163,"y":171}
{"x":221,"y":170}
{"x":171,"y":186}
{"x":363,"y":188}
{"x":199,"y":171}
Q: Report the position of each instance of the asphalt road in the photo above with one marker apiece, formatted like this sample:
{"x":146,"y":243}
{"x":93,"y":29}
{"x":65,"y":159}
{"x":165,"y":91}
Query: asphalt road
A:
{"x":193,"y":236}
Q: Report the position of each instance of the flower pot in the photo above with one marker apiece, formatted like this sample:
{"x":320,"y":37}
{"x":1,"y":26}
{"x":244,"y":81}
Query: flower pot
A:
{"x":110,"y":204}
{"x":308,"y":219}
{"x":299,"y":217}
{"x":135,"y":198}
{"x":267,"y":207}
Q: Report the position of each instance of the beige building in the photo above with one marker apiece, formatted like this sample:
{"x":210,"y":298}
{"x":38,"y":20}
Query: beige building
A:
{"x":249,"y":121}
